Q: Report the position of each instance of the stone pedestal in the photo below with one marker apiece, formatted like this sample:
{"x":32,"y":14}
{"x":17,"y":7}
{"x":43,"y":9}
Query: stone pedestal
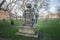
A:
{"x":28,"y":31}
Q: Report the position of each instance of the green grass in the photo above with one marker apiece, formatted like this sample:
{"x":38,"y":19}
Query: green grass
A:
{"x":51,"y":28}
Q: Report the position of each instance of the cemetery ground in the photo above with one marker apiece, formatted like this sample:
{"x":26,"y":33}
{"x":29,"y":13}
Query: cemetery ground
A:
{"x":49,"y":30}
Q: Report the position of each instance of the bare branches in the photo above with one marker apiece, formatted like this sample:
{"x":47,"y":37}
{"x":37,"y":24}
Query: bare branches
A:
{"x":2,"y":3}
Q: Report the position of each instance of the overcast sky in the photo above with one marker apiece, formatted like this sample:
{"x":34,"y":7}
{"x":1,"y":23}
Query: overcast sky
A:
{"x":54,"y":4}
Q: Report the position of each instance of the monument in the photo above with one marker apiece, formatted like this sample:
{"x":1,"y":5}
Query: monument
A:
{"x":28,"y":27}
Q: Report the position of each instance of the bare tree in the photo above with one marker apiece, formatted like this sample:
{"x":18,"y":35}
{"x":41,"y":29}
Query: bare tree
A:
{"x":2,"y":4}
{"x":10,"y":7}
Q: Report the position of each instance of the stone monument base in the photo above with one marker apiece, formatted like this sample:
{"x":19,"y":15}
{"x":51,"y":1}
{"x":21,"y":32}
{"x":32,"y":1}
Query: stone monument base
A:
{"x":28,"y":31}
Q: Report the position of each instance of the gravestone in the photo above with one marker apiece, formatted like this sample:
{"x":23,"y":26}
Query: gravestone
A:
{"x":27,"y":29}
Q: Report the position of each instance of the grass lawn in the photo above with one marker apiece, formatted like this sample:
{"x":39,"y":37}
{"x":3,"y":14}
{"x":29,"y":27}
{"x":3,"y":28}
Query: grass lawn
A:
{"x":50,"y":27}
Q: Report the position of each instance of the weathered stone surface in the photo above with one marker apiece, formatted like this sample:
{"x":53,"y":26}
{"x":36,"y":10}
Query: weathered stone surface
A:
{"x":28,"y":27}
{"x":28,"y":35}
{"x":27,"y":30}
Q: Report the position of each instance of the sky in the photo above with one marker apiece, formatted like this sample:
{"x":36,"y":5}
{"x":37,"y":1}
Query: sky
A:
{"x":54,"y":4}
